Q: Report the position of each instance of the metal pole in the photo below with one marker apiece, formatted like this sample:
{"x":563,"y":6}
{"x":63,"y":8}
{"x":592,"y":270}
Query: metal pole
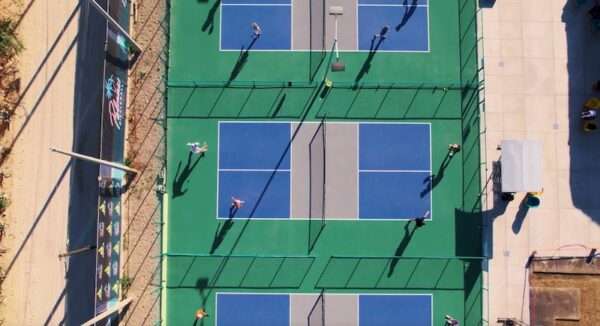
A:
{"x":96,"y":160}
{"x":115,"y":24}
{"x":77,"y":251}
{"x":108,"y":312}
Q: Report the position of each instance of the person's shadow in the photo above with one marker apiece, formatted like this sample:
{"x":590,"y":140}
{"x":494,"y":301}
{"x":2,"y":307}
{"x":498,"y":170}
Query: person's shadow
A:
{"x":242,"y":60}
{"x":181,"y":176}
{"x":372,"y":51}
{"x":520,"y":217}
{"x":401,"y":247}
{"x":408,"y":12}
{"x":220,"y":234}
{"x":209,"y":22}
{"x":433,"y":180}
{"x":203,"y":286}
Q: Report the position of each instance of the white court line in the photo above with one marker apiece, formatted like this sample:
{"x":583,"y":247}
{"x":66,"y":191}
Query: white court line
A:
{"x":357,"y":295}
{"x":218,"y":162}
{"x":250,"y":5}
{"x":256,"y":4}
{"x":430,"y":168}
{"x":291,"y":49}
{"x":357,"y":125}
{"x":291,"y":24}
{"x":353,"y":220}
{"x":395,"y":171}
{"x":254,"y":170}
{"x":389,"y":5}
{"x":429,"y":32}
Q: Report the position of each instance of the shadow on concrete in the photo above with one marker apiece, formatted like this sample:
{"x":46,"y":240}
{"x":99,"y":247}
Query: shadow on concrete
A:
{"x":36,"y":221}
{"x":38,"y":101}
{"x":520,"y":217}
{"x":23,"y":14}
{"x":60,"y":299}
{"x":583,"y":54}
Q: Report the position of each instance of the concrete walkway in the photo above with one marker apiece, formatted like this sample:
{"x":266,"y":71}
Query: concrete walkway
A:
{"x":34,"y":287}
{"x":541,"y":59}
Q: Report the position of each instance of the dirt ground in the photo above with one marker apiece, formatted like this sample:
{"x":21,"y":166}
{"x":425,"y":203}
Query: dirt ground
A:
{"x":38,"y":186}
{"x":145,"y":149}
{"x":585,"y":285}
{"x":38,"y":182}
{"x":9,"y":97}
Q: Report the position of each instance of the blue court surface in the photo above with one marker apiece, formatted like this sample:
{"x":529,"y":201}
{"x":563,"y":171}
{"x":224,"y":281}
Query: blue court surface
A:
{"x":273,"y":16}
{"x":393,"y":163}
{"x":249,"y":309}
{"x":408,"y":22}
{"x":254,"y":165}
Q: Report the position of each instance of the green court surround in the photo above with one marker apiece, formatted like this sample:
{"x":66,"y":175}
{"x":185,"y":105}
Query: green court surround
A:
{"x":272,"y":256}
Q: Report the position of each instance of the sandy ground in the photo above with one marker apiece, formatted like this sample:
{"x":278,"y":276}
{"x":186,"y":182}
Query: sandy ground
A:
{"x":34,"y":286}
{"x":35,"y":290}
{"x":145,"y":147}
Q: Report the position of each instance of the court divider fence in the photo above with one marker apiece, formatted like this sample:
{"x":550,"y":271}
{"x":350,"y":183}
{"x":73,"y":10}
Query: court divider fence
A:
{"x":342,"y":100}
{"x":462,"y":274}
{"x":161,"y":182}
{"x":205,"y":271}
{"x":475,"y":180}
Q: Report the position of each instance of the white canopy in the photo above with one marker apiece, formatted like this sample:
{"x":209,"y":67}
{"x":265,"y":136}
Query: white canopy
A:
{"x":521,"y":166}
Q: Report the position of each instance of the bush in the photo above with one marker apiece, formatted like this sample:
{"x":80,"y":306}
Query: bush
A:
{"x":4,"y":202}
{"x":9,"y":42}
{"x":125,"y":283}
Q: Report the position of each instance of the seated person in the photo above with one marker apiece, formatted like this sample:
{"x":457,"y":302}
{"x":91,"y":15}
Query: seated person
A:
{"x":589,"y":126}
{"x":589,"y":114}
{"x":592,"y":103}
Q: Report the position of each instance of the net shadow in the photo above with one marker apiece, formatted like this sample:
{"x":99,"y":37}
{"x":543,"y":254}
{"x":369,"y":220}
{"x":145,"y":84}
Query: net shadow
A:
{"x":415,"y":273}
{"x":316,"y":222}
{"x":316,"y":316}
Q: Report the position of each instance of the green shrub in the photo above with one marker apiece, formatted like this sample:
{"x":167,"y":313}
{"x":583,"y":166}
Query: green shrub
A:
{"x":125,"y":283}
{"x":9,"y":42}
{"x":4,"y":202}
